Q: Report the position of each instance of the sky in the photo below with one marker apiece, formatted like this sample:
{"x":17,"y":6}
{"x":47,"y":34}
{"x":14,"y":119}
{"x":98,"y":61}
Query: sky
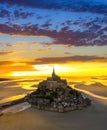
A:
{"x":70,"y":35}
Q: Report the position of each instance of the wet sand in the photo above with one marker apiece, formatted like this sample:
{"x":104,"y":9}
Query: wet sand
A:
{"x":91,"y":118}
{"x":96,"y":88}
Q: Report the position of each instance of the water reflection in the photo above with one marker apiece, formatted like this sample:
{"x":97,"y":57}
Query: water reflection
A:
{"x":87,"y":80}
{"x":16,"y":89}
{"x":104,"y":82}
{"x":89,"y":93}
{"x":12,"y":98}
{"x":29,"y":85}
{"x":16,"y":108}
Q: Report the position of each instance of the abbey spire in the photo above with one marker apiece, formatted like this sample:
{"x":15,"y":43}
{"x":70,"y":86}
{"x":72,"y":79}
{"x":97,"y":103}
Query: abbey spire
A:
{"x":53,"y":73}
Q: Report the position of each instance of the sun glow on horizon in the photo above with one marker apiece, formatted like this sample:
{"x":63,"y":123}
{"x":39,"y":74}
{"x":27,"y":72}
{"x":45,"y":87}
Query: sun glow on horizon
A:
{"x":44,"y":70}
{"x":89,"y":69}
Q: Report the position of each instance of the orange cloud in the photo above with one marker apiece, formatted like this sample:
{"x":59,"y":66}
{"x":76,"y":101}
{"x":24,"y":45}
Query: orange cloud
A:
{"x":40,"y":50}
{"x":4,"y":63}
{"x":34,"y":42}
{"x":76,"y":58}
{"x":6,"y":53}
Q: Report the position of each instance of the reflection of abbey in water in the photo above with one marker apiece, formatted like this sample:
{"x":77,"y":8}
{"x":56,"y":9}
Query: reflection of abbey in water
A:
{"x":54,"y":81}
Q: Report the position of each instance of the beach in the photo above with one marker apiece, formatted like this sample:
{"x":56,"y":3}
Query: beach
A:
{"x":91,"y":118}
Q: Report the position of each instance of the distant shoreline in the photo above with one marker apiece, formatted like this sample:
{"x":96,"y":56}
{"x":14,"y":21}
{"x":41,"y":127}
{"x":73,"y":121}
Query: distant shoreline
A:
{"x":12,"y":103}
{"x":18,"y":101}
{"x":4,"y":79}
{"x":22,"y":100}
{"x":89,"y":93}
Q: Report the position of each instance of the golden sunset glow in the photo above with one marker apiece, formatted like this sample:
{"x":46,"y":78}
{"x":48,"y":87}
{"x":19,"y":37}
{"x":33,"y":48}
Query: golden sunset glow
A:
{"x":71,"y":69}
{"x":61,"y":42}
{"x":28,"y":60}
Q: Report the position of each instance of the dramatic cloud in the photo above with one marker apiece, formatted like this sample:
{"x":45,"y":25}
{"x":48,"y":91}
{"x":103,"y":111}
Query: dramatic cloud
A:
{"x":46,"y":32}
{"x":52,"y":60}
{"x":40,"y":50}
{"x":77,"y":26}
{"x":16,"y":14}
{"x":6,"y":53}
{"x":16,"y":66}
{"x":97,"y":6}
{"x":77,"y":58}
{"x":67,"y":53}
{"x":9,"y":45}
{"x":6,"y":63}
{"x":4,"y":13}
{"x":64,"y":36}
{"x":20,"y":14}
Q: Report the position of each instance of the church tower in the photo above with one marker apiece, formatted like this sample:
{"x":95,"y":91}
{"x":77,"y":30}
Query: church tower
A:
{"x":53,"y":73}
{"x":54,"y":76}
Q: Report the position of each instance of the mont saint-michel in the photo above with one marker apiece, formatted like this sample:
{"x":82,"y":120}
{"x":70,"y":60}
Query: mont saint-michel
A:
{"x":54,"y":94}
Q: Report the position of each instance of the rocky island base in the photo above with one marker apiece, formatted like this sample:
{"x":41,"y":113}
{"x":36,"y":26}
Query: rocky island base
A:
{"x":54,"y":94}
